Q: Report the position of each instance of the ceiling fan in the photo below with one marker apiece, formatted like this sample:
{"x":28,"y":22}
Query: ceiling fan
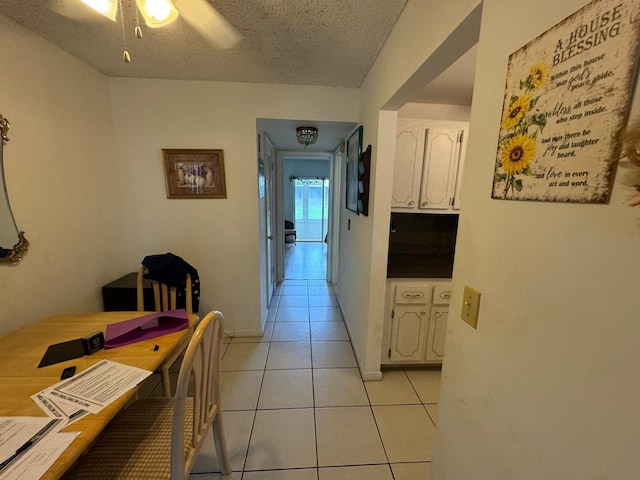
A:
{"x":200,"y":14}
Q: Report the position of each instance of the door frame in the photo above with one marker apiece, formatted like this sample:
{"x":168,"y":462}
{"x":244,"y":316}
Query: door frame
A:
{"x":334,"y":212}
{"x":270,"y":253}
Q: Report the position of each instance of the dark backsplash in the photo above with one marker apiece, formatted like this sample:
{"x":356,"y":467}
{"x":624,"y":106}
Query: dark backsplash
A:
{"x":422,"y":245}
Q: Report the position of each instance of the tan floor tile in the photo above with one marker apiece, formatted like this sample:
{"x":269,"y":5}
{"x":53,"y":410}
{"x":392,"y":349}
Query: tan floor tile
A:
{"x":292,"y":314}
{"x":286,"y":389}
{"x":393,"y":389}
{"x":332,"y":355}
{"x":325,"y":314}
{"x":322,"y":301}
{"x":299,"y":474}
{"x":347,"y":436}
{"x":286,"y":283}
{"x":289,"y":355}
{"x":411,"y":471}
{"x":432,"y":410}
{"x":294,"y":301}
{"x":320,"y":289}
{"x":291,"y":332}
{"x":245,"y":356}
{"x":294,"y":290}
{"x":240,"y":389}
{"x":237,"y":430}
{"x":426,"y":382}
{"x":368,"y":472}
{"x":328,"y":331}
{"x":282,"y":439}
{"x":275,"y":301}
{"x":339,"y":387}
{"x":407,"y":432}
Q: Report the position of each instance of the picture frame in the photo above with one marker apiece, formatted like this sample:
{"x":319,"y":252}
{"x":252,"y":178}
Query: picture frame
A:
{"x":354,"y":153}
{"x":194,"y":173}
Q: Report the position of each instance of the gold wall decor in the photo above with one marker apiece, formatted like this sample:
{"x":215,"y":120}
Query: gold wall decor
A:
{"x":194,"y":173}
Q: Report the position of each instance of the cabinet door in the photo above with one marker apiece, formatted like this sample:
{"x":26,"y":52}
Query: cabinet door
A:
{"x":457,"y":197}
{"x":442,"y":148}
{"x":407,"y":164}
{"x":437,"y":333}
{"x":408,"y":333}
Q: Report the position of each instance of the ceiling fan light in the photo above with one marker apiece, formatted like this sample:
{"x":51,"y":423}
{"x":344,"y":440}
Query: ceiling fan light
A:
{"x":157,"y":13}
{"x":108,"y":8}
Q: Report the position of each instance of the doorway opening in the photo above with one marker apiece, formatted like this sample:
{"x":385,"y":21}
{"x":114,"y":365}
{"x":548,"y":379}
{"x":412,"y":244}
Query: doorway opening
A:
{"x":305,"y":253}
{"x":311,"y":209}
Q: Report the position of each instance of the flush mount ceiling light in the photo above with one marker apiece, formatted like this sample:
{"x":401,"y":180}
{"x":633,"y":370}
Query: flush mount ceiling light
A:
{"x":307,"y":135}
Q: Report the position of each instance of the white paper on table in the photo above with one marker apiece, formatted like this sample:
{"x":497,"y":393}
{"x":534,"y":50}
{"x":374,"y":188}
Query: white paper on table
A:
{"x":58,"y":408}
{"x":97,"y":386}
{"x":34,"y":463}
{"x":15,"y":432}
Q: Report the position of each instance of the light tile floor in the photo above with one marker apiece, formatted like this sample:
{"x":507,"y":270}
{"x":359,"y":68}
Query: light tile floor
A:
{"x":295,"y":407}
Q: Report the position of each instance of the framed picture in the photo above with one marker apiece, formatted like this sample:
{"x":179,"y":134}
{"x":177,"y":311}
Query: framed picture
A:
{"x":354,"y":151}
{"x":194,"y":173}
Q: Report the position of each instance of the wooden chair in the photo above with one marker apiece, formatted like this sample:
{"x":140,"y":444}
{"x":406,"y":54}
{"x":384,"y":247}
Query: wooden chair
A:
{"x":165,"y":299}
{"x":160,"y":438}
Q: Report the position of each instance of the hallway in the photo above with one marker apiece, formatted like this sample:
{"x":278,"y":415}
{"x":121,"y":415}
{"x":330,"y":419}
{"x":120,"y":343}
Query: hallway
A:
{"x":305,"y":260}
{"x":295,"y":407}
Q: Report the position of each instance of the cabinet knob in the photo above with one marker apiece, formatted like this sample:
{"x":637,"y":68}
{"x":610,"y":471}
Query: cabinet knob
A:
{"x":411,"y":203}
{"x":424,"y":204}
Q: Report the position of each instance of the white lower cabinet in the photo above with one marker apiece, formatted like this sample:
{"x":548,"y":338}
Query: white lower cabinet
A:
{"x":416,"y":315}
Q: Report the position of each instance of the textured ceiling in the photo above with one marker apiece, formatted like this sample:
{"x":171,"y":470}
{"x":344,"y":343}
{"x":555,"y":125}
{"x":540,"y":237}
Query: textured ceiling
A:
{"x":302,"y":42}
{"x":299,"y":42}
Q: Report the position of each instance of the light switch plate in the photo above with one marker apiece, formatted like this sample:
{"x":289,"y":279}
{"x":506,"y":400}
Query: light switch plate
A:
{"x":470,"y":306}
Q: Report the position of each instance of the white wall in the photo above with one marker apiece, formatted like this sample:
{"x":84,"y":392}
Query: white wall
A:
{"x":438,"y":111}
{"x":62,"y":180}
{"x":422,"y":27}
{"x":548,"y":386}
{"x":221,"y":237}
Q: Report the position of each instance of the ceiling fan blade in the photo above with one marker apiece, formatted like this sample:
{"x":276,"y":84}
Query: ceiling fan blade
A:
{"x":207,"y":21}
{"x":74,"y":10}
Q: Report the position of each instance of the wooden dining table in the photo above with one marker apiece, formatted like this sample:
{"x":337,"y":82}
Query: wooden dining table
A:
{"x":20,"y":377}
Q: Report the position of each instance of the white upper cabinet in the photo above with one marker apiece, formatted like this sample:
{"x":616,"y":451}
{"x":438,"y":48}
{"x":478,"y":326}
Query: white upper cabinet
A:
{"x":408,"y":164}
{"x":428,"y":166}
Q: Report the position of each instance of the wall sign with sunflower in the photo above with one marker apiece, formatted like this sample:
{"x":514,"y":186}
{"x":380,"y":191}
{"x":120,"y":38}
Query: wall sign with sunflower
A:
{"x":566,"y":100}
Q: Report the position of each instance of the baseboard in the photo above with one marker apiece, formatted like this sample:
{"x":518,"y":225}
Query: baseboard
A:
{"x":370,"y":376}
{"x":243,"y":333}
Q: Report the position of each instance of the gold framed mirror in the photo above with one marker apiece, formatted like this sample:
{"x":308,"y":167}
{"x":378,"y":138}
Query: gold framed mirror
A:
{"x":13,"y":244}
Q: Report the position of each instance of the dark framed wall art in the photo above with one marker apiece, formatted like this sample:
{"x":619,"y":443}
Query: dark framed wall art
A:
{"x":354,"y":153}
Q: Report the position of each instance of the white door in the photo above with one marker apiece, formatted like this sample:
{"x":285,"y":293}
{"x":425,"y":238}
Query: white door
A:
{"x":268,"y":180}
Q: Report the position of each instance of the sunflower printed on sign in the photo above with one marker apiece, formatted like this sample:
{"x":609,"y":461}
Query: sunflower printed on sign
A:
{"x":566,"y":101}
{"x":518,"y":143}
